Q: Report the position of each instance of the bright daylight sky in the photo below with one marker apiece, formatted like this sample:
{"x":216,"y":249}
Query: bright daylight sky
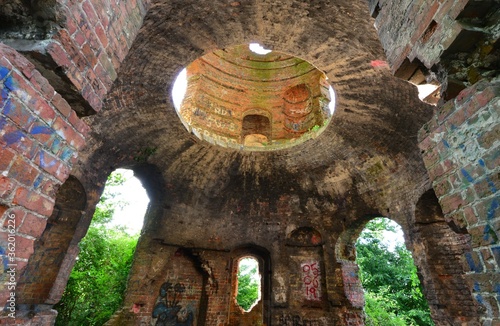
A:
{"x":132,"y":193}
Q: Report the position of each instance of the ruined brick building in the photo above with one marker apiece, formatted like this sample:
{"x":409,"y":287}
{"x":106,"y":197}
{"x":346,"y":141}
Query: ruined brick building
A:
{"x":253,"y":163}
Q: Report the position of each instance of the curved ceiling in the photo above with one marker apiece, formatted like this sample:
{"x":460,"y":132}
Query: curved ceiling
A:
{"x":368,"y":151}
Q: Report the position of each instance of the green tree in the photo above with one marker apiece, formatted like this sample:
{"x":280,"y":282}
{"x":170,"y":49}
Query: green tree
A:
{"x":248,"y":286}
{"x":97,"y":282}
{"x":393,"y":291}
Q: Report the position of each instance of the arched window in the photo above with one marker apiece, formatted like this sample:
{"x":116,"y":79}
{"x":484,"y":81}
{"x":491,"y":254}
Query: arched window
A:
{"x":250,"y":286}
{"x":256,"y":129}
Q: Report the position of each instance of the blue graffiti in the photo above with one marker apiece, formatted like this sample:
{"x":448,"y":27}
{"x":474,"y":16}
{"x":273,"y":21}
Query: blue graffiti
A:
{"x":467,"y":175}
{"x":472,"y":265}
{"x":41,"y":130}
{"x":38,"y":181}
{"x":3,"y":72}
{"x":168,"y":309}
{"x":477,"y":288}
{"x":493,"y":207}
{"x":486,"y":232}
{"x":5,"y":260}
{"x":43,"y":163}
{"x":446,"y":143}
{"x":481,"y":162}
{"x":13,"y":137}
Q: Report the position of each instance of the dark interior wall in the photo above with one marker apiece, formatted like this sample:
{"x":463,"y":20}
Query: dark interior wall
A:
{"x":208,"y":201}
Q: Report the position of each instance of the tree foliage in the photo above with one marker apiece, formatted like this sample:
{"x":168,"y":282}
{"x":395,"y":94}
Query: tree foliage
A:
{"x":393,"y":291}
{"x":248,"y":286}
{"x":97,"y":282}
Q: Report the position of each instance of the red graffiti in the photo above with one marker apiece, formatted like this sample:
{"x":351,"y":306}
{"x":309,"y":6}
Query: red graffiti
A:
{"x":311,"y":280}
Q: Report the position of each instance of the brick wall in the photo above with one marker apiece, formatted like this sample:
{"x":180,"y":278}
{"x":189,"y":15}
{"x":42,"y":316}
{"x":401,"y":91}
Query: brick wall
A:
{"x":94,"y":41}
{"x":83,"y":51}
{"x":39,"y":143}
{"x":460,"y":147}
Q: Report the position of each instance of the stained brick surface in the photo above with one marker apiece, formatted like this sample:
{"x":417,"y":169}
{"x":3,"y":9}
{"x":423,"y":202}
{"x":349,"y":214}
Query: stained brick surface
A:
{"x":208,"y":202}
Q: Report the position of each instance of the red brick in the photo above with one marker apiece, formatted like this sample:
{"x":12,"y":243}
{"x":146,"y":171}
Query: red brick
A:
{"x":445,"y":110}
{"x":15,"y":214}
{"x":481,"y":235}
{"x":18,"y":112}
{"x":443,"y":187}
{"x":101,"y":34}
{"x":90,"y":12}
{"x":43,"y":133}
{"x":44,"y":111}
{"x":33,"y":225}
{"x":435,"y":172}
{"x":488,"y":186}
{"x":42,"y":85}
{"x":50,"y":187}
{"x":487,"y":95}
{"x":490,"y":137}
{"x":88,"y":53}
{"x":24,"y":247}
{"x":456,"y":119}
{"x":58,"y":54}
{"x":470,"y":215}
{"x":79,"y":38}
{"x":48,"y":162}
{"x":71,"y":25}
{"x":451,"y":203}
{"x":33,"y":201}
{"x":61,"y":105}
{"x":6,"y":186}
{"x":23,"y":172}
{"x":6,"y":156}
{"x":67,"y":132}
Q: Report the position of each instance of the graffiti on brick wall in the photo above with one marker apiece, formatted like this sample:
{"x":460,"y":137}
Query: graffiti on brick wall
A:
{"x":296,"y":320}
{"x":169,"y":310}
{"x":311,"y":278}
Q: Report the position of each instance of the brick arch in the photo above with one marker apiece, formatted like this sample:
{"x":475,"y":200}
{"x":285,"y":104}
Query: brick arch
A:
{"x":439,"y":252}
{"x":261,"y":312}
{"x":44,"y":279}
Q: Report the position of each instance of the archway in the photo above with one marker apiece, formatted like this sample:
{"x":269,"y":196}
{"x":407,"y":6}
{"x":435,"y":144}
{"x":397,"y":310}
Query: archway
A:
{"x":439,"y":251}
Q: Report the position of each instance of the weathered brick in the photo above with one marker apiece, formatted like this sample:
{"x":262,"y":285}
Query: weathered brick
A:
{"x":61,"y":105}
{"x":33,"y":201}
{"x":18,"y":112}
{"x":6,"y":156}
{"x":14,"y":217}
{"x":6,"y":186}
{"x":66,"y":131}
{"x":23,"y":172}
{"x":24,"y":247}
{"x":33,"y":225}
{"x":450,"y":203}
{"x":490,"y":137}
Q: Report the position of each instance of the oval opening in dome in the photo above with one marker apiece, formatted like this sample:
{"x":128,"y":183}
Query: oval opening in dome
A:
{"x":238,"y":98}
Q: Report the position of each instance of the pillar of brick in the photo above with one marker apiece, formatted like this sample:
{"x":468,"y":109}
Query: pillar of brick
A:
{"x":460,"y":147}
{"x":40,"y":137}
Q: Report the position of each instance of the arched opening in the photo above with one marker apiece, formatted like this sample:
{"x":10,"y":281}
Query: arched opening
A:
{"x":258,"y":311}
{"x":392,"y":289}
{"x":220,"y":97}
{"x":256,"y":130}
{"x":97,"y":282}
{"x":440,"y":250}
{"x":54,"y":250}
{"x":249,"y":283}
